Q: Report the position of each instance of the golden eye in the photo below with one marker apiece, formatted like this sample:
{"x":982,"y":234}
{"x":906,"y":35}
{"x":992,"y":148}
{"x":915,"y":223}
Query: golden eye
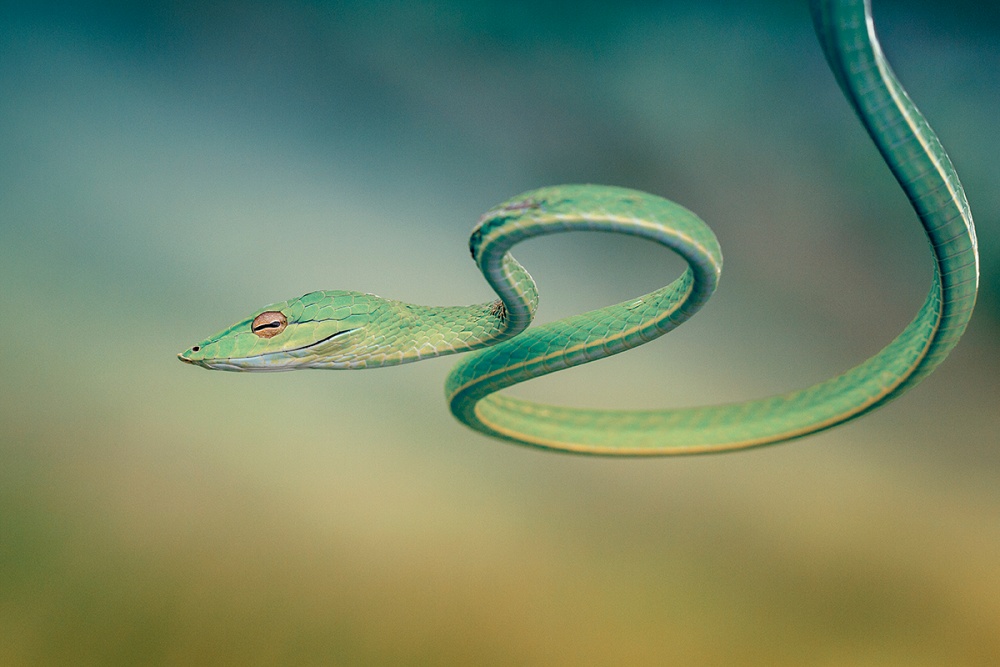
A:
{"x":269,"y":324}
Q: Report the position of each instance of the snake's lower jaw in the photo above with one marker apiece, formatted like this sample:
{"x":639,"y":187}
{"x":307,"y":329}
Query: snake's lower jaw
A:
{"x":198,"y":362}
{"x":215,"y":364}
{"x":186,"y":358}
{"x":333,"y":351}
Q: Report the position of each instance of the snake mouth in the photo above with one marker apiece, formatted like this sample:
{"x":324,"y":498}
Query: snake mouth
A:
{"x":310,"y":345}
{"x":282,"y":359}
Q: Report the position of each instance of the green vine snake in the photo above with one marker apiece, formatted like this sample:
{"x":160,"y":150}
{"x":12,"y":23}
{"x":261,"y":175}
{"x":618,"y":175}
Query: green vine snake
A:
{"x":341,"y":329}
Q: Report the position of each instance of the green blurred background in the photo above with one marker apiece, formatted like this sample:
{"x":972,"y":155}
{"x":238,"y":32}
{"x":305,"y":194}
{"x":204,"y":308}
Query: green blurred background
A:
{"x":167,"y":167}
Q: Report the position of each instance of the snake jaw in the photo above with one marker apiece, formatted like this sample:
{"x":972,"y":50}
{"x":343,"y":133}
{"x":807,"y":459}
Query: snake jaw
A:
{"x":312,"y":355}
{"x":182,"y":356}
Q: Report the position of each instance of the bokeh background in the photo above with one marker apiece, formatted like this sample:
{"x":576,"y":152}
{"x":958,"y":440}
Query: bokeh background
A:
{"x":167,"y":167}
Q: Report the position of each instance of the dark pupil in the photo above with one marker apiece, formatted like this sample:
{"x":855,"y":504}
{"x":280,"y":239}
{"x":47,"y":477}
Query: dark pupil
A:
{"x":269,"y":325}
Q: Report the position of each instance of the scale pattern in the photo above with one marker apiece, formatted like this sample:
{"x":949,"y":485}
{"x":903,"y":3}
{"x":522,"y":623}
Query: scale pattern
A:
{"x":338,"y":329}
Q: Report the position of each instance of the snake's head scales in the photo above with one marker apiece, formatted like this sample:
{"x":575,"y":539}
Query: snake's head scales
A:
{"x":317,"y":330}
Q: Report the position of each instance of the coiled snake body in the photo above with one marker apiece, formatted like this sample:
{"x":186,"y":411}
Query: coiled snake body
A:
{"x":340,"y":329}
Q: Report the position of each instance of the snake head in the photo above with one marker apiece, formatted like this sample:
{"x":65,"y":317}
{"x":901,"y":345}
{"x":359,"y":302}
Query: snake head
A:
{"x":312,"y":331}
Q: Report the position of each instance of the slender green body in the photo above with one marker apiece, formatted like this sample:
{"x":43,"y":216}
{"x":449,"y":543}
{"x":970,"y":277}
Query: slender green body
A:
{"x":338,"y":329}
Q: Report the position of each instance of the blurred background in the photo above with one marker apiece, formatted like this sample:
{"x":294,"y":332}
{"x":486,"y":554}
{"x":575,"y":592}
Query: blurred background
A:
{"x":168,"y":167}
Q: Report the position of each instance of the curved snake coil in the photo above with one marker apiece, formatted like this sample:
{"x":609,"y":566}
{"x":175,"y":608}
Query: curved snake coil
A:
{"x":339,"y":329}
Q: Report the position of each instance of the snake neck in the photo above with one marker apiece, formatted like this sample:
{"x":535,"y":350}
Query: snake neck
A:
{"x":422,"y":332}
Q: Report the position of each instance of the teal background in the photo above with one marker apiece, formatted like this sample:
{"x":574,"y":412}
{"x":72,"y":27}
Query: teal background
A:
{"x":167,"y":167}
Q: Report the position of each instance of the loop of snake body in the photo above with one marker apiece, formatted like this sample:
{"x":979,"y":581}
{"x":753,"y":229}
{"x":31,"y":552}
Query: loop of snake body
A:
{"x":340,"y":329}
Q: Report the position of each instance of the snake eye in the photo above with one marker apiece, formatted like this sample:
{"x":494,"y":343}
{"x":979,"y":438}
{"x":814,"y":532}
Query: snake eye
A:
{"x":269,"y":324}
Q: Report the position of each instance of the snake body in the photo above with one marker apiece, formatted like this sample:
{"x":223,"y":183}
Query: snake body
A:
{"x":340,"y":329}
